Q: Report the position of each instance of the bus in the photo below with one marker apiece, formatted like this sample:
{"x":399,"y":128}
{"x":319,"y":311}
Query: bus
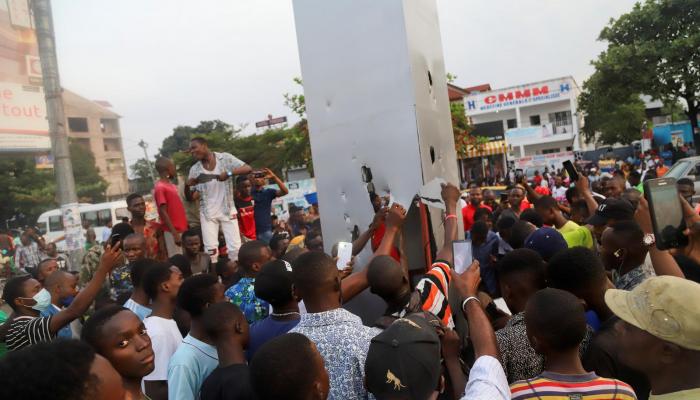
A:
{"x":96,"y":216}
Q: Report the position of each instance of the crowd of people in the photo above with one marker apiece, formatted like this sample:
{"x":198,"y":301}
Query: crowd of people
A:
{"x":236,"y":304}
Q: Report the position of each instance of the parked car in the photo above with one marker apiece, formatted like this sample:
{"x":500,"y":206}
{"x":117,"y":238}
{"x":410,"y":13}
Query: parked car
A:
{"x":687,"y":168}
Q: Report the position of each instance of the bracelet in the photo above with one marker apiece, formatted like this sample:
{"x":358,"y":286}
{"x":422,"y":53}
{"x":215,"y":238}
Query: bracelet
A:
{"x":450,"y":216}
{"x":464,"y":303}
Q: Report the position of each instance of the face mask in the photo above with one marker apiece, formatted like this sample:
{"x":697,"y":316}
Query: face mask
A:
{"x":43,"y":300}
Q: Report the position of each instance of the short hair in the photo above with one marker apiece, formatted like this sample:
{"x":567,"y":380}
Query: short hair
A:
{"x":154,"y":277}
{"x":191,"y":233}
{"x":291,"y":255}
{"x":122,"y":229}
{"x":14,"y":289}
{"x":92,"y":330}
{"x":384,"y":276}
{"x":557,"y":317}
{"x":628,"y":231}
{"x":162,"y":164}
{"x":575,"y":270}
{"x":505,"y":222}
{"x":570,"y":193}
{"x":522,"y":261}
{"x":139,"y":268}
{"x":635,"y":174}
{"x":196,"y":292}
{"x":530,"y":215}
{"x":546,"y":203}
{"x":131,"y":198}
{"x":41,"y":264}
{"x":690,"y":268}
{"x":520,"y":231}
{"x":250,"y":253}
{"x":63,"y":365}
{"x":632,"y":195}
{"x":481,"y":212}
{"x":311,"y":235}
{"x":217,"y":319}
{"x":183,"y":263}
{"x":313,"y":271}
{"x":685,"y":182}
{"x":280,"y":368}
{"x":199,"y":140}
{"x":480,"y":228}
{"x":277,"y":238}
{"x":56,"y":278}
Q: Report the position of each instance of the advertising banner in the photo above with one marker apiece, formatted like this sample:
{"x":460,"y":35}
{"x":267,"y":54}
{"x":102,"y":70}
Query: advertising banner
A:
{"x":553,"y":160}
{"x":75,"y":239}
{"x":518,"y":96}
{"x":23,"y":124}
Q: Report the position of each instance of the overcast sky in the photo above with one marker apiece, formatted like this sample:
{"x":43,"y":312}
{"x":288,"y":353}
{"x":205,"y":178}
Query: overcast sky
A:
{"x":163,"y":63}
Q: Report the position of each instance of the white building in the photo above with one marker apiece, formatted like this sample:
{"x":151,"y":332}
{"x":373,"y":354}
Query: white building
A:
{"x":537,"y":120}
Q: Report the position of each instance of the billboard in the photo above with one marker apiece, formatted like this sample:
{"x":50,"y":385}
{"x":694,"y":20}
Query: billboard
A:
{"x":525,"y":95}
{"x":23,"y":123}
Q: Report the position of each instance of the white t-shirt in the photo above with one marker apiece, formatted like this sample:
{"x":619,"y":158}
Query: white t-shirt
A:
{"x":165,"y":338}
{"x":559,"y":193}
{"x":216,"y":193}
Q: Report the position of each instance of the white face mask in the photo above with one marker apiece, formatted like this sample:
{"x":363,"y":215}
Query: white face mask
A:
{"x":42,"y":299}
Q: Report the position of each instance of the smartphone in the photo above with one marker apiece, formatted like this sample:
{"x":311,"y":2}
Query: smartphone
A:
{"x":518,"y":175}
{"x":114,"y":239}
{"x":462,"y":251}
{"x":344,"y":254}
{"x":666,"y":213}
{"x":571,"y":170}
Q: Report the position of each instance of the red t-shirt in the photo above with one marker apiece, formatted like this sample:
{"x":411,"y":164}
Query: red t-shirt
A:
{"x":246,"y":216}
{"x":468,"y":214}
{"x":166,"y":193}
{"x":377,"y":240}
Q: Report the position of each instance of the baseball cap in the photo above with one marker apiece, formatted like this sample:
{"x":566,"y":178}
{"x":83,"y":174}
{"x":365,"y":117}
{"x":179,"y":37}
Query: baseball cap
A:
{"x":617,"y":209}
{"x":404,"y":360}
{"x":664,"y":306}
{"x":273,"y":283}
{"x":546,"y":241}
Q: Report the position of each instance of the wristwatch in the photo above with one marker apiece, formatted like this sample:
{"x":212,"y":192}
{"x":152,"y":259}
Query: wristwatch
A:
{"x":229,"y":173}
{"x":649,"y":239}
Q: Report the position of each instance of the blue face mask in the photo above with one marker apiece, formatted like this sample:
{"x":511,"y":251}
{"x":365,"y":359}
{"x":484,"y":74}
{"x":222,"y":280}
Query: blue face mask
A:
{"x":43,"y":300}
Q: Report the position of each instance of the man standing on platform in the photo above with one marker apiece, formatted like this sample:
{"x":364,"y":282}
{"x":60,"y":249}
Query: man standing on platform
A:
{"x":170,"y":207}
{"x":209,"y":176}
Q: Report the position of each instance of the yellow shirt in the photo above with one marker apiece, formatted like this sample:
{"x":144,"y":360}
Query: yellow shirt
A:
{"x":691,"y":394}
{"x":576,"y":235}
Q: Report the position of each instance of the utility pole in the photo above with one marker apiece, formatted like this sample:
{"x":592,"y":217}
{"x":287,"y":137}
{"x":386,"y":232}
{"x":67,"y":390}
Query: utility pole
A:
{"x":144,"y":146}
{"x":63,"y":169}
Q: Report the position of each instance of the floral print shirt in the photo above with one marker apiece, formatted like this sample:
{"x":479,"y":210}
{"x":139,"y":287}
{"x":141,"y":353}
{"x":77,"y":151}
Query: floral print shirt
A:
{"x":343,"y":343}
{"x":242,"y":294}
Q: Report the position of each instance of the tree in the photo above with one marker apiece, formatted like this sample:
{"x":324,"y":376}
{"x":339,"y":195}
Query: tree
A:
{"x":89,"y":185}
{"x":142,"y":176}
{"x":655,"y":50}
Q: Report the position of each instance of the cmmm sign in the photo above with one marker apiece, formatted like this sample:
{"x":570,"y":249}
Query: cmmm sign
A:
{"x":519,"y":96}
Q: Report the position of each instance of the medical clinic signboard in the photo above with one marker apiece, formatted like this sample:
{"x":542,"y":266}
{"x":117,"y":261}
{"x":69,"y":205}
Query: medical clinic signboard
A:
{"x":23,"y":124}
{"x":519,"y":96}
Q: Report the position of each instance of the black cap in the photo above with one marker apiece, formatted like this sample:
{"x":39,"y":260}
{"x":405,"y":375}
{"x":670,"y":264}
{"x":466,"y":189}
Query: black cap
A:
{"x":404,"y":360}
{"x":274,"y":282}
{"x":617,"y":209}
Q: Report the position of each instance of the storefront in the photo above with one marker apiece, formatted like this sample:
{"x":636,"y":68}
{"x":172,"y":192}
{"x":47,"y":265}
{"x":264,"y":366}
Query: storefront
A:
{"x":484,"y":163}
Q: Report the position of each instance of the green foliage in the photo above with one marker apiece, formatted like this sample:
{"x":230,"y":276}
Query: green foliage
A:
{"x":143,"y":183}
{"x":654,"y":49}
{"x":451,"y":78}
{"x":296,"y":102}
{"x":30,"y":191}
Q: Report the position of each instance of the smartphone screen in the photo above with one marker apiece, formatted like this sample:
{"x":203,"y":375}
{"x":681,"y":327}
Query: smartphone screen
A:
{"x":666,"y":213}
{"x":569,"y":167}
{"x":344,"y":254}
{"x":462,"y":251}
{"x":114,"y":239}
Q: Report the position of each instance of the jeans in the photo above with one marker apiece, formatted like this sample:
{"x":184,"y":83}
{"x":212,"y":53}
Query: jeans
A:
{"x":210,"y":235}
{"x":265,"y":236}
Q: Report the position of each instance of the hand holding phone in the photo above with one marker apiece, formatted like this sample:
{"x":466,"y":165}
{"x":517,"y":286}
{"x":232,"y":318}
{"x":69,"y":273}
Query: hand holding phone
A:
{"x":462,"y":253}
{"x":344,"y":255}
{"x":666,"y":213}
{"x":571,"y":170}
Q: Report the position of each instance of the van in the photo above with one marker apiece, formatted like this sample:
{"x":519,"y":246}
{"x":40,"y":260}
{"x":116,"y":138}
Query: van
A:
{"x":687,"y":168}
{"x":96,"y":216}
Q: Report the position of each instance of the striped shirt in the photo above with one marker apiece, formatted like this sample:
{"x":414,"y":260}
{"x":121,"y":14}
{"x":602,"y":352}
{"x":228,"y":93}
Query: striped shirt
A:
{"x":551,"y":386}
{"x":25,"y":331}
{"x":433,"y":289}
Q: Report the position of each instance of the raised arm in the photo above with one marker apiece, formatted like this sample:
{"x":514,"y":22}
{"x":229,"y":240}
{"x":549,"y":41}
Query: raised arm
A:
{"x":357,"y":281}
{"x":584,"y":190}
{"x":365,"y":236}
{"x":282,"y":188}
{"x":85,"y":297}
{"x":662,"y":260}
{"x":450,"y":195}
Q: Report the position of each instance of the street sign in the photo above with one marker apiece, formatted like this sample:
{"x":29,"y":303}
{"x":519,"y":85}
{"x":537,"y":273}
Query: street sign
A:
{"x":270,"y":121}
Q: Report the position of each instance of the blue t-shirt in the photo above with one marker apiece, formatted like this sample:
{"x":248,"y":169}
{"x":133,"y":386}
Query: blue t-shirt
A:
{"x":189,"y":366}
{"x":263,"y":209}
{"x":265,"y":330}
{"x":65,"y":332}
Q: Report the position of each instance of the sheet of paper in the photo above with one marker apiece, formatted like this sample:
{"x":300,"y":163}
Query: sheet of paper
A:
{"x":430,"y":194}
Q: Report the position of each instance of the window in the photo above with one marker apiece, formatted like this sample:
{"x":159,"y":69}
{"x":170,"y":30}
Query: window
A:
{"x":122,"y":213}
{"x":569,"y":148}
{"x":78,"y":124}
{"x":550,"y":151}
{"x":534,"y":120}
{"x":512,"y":123}
{"x":55,"y":223}
{"x":96,"y":218}
{"x":562,"y":118}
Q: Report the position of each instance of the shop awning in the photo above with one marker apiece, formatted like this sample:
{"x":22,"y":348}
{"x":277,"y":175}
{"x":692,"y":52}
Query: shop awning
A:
{"x":486,"y":149}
